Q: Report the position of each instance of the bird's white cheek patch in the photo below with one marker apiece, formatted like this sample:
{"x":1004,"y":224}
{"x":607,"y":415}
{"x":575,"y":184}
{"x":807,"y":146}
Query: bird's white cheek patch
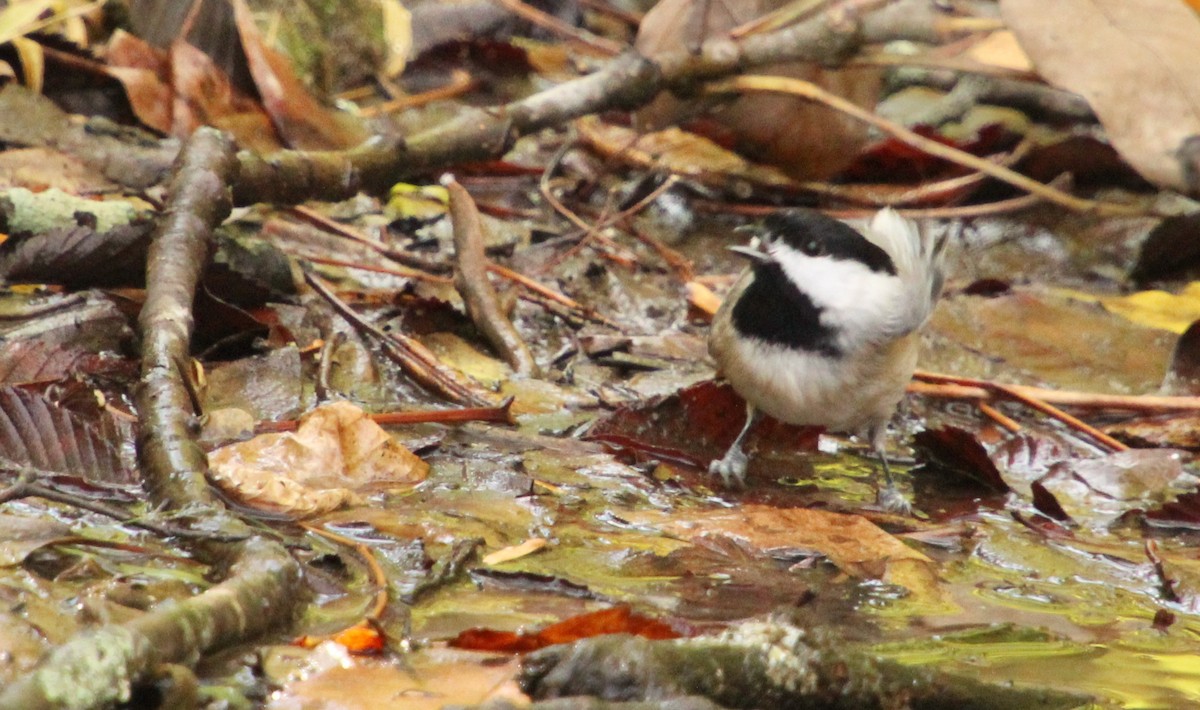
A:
{"x":853,"y":299}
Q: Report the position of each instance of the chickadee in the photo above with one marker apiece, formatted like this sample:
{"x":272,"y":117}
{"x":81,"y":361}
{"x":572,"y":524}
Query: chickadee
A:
{"x":822,"y":328}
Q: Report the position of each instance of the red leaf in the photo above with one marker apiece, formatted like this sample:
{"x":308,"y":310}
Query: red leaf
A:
{"x":617,"y":620}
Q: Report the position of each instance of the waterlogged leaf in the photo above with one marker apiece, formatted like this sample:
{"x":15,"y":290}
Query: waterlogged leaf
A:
{"x":960,"y":451}
{"x":696,"y":425}
{"x":854,"y":544}
{"x":336,"y":451}
{"x":618,"y":620}
{"x":1153,"y":309}
{"x":1115,"y":53}
{"x":328,"y":677}
{"x":1098,"y":491}
{"x":1057,"y":338}
{"x":21,"y":536}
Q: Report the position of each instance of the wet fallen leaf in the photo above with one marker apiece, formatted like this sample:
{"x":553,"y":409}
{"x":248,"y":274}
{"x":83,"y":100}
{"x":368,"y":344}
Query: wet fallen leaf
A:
{"x":695,"y":425}
{"x":854,"y":544}
{"x":1098,"y":491}
{"x":362,"y":639}
{"x":961,"y":451}
{"x":21,"y":536}
{"x":425,"y":681}
{"x":618,"y":620}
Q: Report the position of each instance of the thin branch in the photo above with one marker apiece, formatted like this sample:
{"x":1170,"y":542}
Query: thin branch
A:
{"x":460,"y":83}
{"x":940,"y":385}
{"x":808,"y":90}
{"x":420,"y":364}
{"x":551,"y":23}
{"x":471,"y":280}
{"x":26,"y":486}
{"x":367,"y":555}
{"x":501,"y":414}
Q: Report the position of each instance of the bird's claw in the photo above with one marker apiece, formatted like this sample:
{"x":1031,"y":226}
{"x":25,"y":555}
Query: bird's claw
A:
{"x":891,"y":500}
{"x":731,"y":468}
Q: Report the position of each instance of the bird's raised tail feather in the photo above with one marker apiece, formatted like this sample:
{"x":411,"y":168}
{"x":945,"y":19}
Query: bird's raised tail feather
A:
{"x":918,"y":260}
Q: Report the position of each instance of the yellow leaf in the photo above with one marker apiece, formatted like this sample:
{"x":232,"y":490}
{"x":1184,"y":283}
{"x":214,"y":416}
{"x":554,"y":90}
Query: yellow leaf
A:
{"x":419,"y":201}
{"x":1153,"y":309}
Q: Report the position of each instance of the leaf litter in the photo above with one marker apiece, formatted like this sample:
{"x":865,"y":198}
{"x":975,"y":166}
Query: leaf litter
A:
{"x":1045,"y":573}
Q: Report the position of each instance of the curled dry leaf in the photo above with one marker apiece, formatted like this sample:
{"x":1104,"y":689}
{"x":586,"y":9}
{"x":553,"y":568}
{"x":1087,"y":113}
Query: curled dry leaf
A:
{"x":336,"y":450}
{"x":1117,"y":54}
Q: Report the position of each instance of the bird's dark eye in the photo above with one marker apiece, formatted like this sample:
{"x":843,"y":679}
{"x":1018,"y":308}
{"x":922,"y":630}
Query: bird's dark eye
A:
{"x":811,"y":247}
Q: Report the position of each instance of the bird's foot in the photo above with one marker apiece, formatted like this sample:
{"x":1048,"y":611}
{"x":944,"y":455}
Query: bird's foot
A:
{"x":731,"y":468}
{"x":891,"y":500}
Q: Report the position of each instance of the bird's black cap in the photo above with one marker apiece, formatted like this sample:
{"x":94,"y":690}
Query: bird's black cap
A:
{"x":813,"y":233}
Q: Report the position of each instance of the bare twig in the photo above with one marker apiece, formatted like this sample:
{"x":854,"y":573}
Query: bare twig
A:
{"x":460,"y":83}
{"x":404,"y":272}
{"x":367,"y":555}
{"x":471,"y":280}
{"x":26,"y":486}
{"x":501,"y":414}
{"x":546,"y":292}
{"x":553,"y":24}
{"x":970,"y":388}
{"x":934,"y":384}
{"x":808,"y":90}
{"x":999,"y":417}
{"x":421,"y":364}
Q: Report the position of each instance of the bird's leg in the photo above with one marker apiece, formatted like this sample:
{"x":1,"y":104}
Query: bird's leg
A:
{"x":732,"y":466}
{"x":887,"y":496}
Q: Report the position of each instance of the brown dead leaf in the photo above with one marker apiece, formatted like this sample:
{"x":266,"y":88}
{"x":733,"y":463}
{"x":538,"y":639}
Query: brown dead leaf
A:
{"x":426,"y":681}
{"x":1118,"y":54}
{"x":854,"y":544}
{"x":144,"y":71}
{"x":680,"y":152}
{"x":1000,"y":49}
{"x":814,"y":142}
{"x":674,"y":24}
{"x":303,"y":121}
{"x":204,"y":95}
{"x":1098,"y":491}
{"x":336,"y":450}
